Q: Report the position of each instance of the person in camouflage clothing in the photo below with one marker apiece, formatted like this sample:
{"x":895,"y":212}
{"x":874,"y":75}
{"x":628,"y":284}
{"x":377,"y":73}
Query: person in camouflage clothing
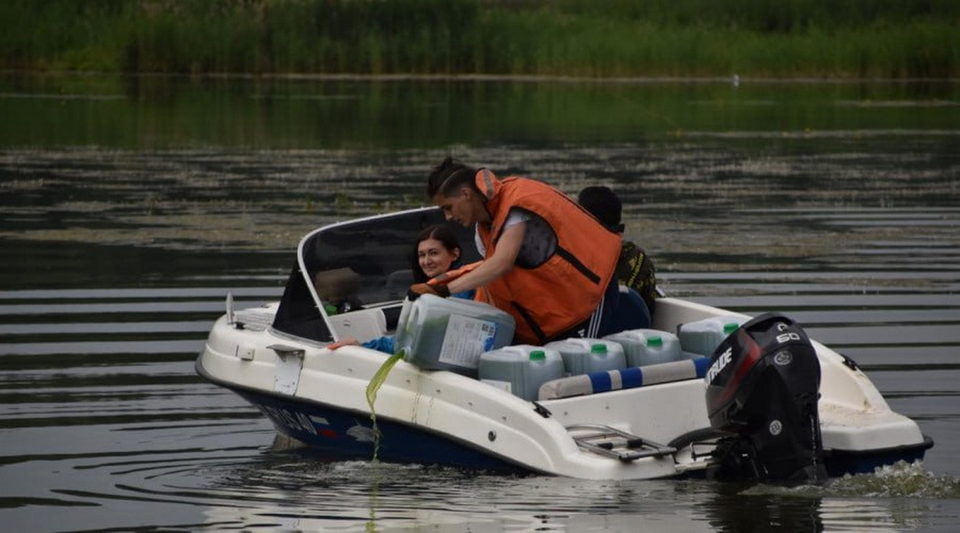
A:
{"x":635,"y":268}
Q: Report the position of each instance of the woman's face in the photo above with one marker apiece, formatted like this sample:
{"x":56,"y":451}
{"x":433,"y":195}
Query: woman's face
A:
{"x":435,"y":259}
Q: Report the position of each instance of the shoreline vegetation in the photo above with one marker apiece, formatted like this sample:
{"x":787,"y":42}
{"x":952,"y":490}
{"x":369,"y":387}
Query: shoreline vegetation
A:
{"x":627,"y":40}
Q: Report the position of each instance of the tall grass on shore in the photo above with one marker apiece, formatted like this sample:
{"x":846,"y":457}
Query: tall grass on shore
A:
{"x":775,"y":38}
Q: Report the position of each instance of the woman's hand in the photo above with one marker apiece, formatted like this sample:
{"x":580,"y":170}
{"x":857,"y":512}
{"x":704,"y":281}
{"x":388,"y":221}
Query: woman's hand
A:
{"x":346,"y":341}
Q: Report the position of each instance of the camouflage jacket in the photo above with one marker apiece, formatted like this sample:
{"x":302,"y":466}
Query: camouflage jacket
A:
{"x":635,"y":270}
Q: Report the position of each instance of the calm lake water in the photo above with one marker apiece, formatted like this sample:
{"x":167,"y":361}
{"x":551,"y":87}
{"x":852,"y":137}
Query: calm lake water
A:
{"x":129,"y":207}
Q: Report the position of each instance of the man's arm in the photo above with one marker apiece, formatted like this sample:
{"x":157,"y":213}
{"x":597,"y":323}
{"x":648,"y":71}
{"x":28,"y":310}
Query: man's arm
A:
{"x":502,"y":260}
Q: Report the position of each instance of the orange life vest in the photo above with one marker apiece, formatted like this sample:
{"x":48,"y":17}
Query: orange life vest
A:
{"x":562,"y":292}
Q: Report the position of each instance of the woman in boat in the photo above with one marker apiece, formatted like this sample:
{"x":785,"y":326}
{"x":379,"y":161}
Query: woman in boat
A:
{"x":546,"y":261}
{"x":436,"y":251}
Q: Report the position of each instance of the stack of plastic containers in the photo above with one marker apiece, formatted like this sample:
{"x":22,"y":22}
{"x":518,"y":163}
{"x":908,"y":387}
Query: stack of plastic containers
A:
{"x":520,"y":369}
{"x":647,"y":346}
{"x":583,"y":356}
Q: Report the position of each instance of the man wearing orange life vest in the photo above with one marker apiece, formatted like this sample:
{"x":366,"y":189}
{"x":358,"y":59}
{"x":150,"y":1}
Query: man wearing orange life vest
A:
{"x":547,"y":261}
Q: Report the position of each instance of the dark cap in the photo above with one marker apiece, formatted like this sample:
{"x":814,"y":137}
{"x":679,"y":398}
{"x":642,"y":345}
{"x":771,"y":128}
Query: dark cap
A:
{"x":604,"y":204}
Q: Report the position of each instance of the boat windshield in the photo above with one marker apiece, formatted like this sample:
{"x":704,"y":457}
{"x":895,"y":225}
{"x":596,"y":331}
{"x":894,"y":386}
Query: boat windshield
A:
{"x":354,"y":265}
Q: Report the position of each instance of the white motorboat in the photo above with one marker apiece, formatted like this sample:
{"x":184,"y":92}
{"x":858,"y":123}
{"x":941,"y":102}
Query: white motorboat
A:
{"x":276,"y":358}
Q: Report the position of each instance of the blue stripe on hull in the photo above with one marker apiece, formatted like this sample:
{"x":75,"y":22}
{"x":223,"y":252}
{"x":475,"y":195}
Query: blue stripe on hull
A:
{"x":348,"y":435}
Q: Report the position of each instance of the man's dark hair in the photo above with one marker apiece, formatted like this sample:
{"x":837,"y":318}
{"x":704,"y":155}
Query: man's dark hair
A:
{"x":448,"y":177}
{"x":602,"y":203}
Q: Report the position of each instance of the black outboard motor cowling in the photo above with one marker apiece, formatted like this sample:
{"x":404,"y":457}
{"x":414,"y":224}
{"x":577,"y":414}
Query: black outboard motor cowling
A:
{"x":762,"y":386}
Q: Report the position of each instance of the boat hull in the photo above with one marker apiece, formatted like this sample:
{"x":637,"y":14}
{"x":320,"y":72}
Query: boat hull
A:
{"x":342,"y":434}
{"x":843,"y":462}
{"x":344,"y":429}
{"x":338,"y":434}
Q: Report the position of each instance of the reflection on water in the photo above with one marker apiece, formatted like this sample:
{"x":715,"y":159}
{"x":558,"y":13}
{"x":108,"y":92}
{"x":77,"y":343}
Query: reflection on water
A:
{"x":148,"y":112}
{"x":115,"y":263}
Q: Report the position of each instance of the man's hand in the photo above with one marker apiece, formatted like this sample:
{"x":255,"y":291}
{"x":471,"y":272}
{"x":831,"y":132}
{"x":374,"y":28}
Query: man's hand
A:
{"x":418,"y":289}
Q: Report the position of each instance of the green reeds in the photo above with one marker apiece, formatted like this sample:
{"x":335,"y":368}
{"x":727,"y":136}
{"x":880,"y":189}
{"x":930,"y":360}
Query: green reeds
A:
{"x":776,"y":38}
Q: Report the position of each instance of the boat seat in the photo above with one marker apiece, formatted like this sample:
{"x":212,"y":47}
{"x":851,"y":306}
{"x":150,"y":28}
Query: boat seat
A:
{"x":625,"y":378}
{"x":398,"y":283}
{"x":364,"y":324}
{"x":338,"y":287}
{"x":632,"y":312}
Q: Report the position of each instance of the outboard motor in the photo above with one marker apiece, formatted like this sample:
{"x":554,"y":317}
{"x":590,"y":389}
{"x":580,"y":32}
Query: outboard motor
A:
{"x":762,"y":386}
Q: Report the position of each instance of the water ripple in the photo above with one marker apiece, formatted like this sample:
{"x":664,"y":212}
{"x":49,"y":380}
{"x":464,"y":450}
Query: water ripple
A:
{"x":104,"y":416}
